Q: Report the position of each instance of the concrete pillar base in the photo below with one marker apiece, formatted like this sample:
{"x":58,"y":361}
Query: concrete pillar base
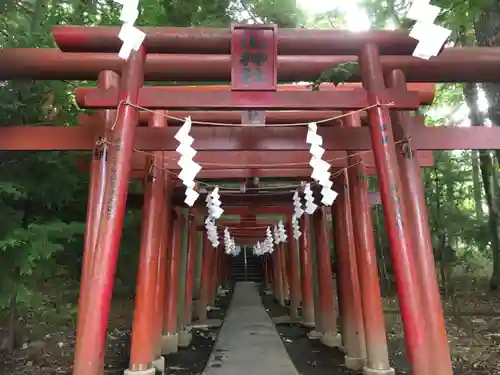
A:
{"x":332,"y":340}
{"x":169,"y":343}
{"x":159,"y":364}
{"x":185,"y":338}
{"x":314,"y":335}
{"x":284,"y":319}
{"x":294,"y":318}
{"x":194,"y":313}
{"x":353,"y":363}
{"x":222,"y":292}
{"x":372,"y":371}
{"x":149,"y":371}
{"x":307,"y":324}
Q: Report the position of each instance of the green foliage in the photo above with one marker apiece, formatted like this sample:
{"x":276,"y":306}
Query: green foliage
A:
{"x":43,"y":197}
{"x":454,"y":192}
{"x":26,"y":254}
{"x":336,"y":74}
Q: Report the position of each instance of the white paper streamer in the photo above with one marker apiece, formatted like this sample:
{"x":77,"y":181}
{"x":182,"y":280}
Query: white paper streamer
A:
{"x":320,"y":173}
{"x":131,"y":36}
{"x":431,"y":37}
{"x":189,"y":168}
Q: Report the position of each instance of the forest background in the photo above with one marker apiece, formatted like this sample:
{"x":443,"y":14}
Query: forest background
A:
{"x":43,"y":196}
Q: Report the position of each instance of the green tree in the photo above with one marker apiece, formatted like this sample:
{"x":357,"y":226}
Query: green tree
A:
{"x":472,"y":23}
{"x":43,"y":196}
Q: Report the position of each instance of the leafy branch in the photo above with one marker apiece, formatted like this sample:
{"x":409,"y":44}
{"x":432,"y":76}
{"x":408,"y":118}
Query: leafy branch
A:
{"x":336,"y":75}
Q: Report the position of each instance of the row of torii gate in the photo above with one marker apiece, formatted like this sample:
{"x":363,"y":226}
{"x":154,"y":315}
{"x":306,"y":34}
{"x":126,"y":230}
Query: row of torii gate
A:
{"x":385,"y":139}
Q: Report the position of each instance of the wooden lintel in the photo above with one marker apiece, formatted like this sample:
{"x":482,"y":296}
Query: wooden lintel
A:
{"x":58,"y":138}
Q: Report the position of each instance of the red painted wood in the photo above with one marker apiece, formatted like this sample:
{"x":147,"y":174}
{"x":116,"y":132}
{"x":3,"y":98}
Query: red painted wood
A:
{"x":214,"y":276}
{"x":293,"y":264}
{"x":205,"y":284}
{"x":157,"y":98}
{"x":254,"y":63}
{"x":192,"y":249}
{"x":267,"y":270}
{"x":469,"y":64}
{"x":325,"y":279}
{"x":223,"y":269}
{"x":242,"y":222}
{"x":399,"y":237}
{"x":28,"y":138}
{"x":306,"y":271}
{"x":366,"y":258}
{"x":143,"y":337}
{"x":163,"y":240}
{"x":259,"y":210}
{"x":351,"y":310}
{"x":418,"y":226}
{"x":284,"y":270}
{"x":256,"y":163}
{"x":277,"y":278}
{"x":211,"y":40}
{"x":227,"y":280}
{"x":93,"y":337}
{"x":426,"y":93}
{"x":95,"y":205}
{"x":172,"y":284}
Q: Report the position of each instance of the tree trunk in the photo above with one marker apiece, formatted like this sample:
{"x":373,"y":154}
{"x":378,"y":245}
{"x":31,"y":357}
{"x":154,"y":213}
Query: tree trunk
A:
{"x":13,"y":332}
{"x":38,"y":14}
{"x":489,"y":183}
{"x":441,"y":235}
{"x":476,"y":181}
{"x":487,"y":29}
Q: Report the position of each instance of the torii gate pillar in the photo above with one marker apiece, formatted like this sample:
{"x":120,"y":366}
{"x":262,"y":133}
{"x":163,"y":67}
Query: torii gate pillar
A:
{"x":377,"y":356}
{"x":92,"y":339}
{"x":143,"y":338}
{"x":416,"y":211}
{"x":306,"y":272}
{"x":326,"y":303}
{"x":351,"y":311}
{"x":384,"y":152}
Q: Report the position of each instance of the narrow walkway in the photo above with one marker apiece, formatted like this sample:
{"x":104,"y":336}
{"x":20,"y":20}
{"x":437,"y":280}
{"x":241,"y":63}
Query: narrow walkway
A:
{"x":248,"y":343}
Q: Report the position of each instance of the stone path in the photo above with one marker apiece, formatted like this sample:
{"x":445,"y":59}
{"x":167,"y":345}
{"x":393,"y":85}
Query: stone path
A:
{"x":248,"y":343}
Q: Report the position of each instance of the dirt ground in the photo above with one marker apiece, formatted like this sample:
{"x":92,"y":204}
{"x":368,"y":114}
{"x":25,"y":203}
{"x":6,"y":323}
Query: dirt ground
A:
{"x":310,"y":357}
{"x":472,"y":319}
{"x":473,"y":325}
{"x":48,"y":347}
{"x":192,"y":360}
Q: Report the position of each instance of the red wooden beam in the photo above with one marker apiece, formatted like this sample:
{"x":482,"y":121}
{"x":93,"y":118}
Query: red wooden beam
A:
{"x":241,"y":222}
{"x":274,"y":198}
{"x":259,"y":230}
{"x":259,"y":210}
{"x":452,"y":65}
{"x":163,"y":98}
{"x":235,"y":117}
{"x":211,"y":40}
{"x":61,"y":138}
{"x":425,"y":158}
{"x":242,"y":227}
{"x":176,"y":118}
{"x":243,"y":173}
{"x":294,"y":173}
{"x":238,"y":200}
{"x":426,"y":92}
{"x":256,"y":160}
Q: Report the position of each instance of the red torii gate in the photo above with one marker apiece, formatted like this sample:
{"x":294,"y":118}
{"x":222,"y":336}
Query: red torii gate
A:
{"x":376,"y":97}
{"x":398,"y":173}
{"x":452,"y":65}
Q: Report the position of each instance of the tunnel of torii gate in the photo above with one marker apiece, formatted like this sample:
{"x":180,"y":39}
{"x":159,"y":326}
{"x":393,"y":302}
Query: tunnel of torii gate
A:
{"x":244,"y":136}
